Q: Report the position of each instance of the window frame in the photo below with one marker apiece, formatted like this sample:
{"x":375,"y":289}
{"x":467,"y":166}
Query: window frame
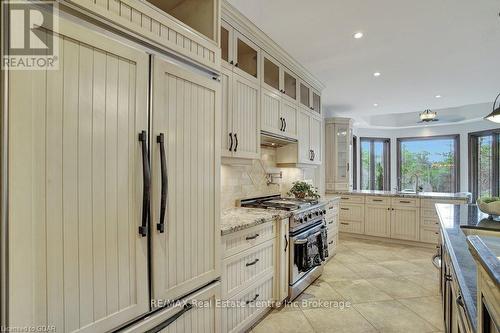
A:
{"x":355,"y":162}
{"x":455,"y":137}
{"x":387,"y":162}
{"x":473,"y":159}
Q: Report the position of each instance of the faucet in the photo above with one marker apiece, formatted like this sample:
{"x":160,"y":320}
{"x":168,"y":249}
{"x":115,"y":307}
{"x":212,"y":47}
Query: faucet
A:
{"x":417,"y":187}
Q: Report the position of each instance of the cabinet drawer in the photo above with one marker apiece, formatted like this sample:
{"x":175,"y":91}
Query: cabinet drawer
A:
{"x":241,"y":270}
{"x":241,"y":240}
{"x":355,"y":227}
{"x":352,"y":199}
{"x":430,"y":223}
{"x":332,"y":245}
{"x":429,"y":235}
{"x":243,"y":309}
{"x":429,"y":213}
{"x":378,"y":201}
{"x":407,"y":202}
{"x":430,"y":203}
{"x":351,"y":212}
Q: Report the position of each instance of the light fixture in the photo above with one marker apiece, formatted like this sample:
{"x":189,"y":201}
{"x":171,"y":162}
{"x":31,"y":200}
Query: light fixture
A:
{"x":438,"y":96}
{"x":375,"y":104}
{"x":376,"y":74}
{"x":358,"y":35}
{"x":428,"y":116}
{"x":494,"y":116}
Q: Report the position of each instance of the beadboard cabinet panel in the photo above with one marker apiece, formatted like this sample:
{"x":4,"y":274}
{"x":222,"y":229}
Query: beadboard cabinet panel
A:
{"x":77,"y":260}
{"x":289,"y":113}
{"x":315,"y":141}
{"x":186,"y":111}
{"x":405,"y":223}
{"x":227,"y":114}
{"x":377,"y":220}
{"x":271,"y":112}
{"x":304,"y":137}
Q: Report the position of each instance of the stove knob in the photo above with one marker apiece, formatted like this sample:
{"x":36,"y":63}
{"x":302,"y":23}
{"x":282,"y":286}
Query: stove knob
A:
{"x":310,"y":215}
{"x":301,"y":220}
{"x":320,"y":212}
{"x":324,"y":211}
{"x":305,"y":218}
{"x":317,"y":213}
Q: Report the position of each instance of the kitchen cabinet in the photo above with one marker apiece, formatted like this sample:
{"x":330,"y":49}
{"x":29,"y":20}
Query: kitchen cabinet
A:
{"x":279,"y":79}
{"x":185,"y":167}
{"x":315,"y":142}
{"x":338,"y":154}
{"x":239,"y":53}
{"x":377,"y":220}
{"x":278,"y":115}
{"x":332,"y":224}
{"x":309,"y":98}
{"x":77,"y":260}
{"x":282,"y":261}
{"x":240,"y":116}
{"x":405,"y":222}
{"x":429,"y":220}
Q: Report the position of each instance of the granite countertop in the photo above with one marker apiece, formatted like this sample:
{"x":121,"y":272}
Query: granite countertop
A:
{"x":453,"y":219}
{"x":239,"y":218}
{"x":486,"y":250}
{"x":328,"y":198}
{"x":424,"y":195}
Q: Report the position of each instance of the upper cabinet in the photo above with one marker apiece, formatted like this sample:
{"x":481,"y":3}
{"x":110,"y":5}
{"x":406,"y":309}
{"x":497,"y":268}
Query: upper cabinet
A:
{"x":338,"y":149}
{"x":310,"y":98}
{"x":189,"y":28}
{"x":201,"y":15}
{"x":239,"y":53}
{"x":278,"y":78}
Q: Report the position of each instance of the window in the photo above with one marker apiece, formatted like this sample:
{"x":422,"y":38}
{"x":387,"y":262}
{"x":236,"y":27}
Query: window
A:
{"x":434,"y":161}
{"x":375,"y":164}
{"x":355,"y":162}
{"x":484,"y":163}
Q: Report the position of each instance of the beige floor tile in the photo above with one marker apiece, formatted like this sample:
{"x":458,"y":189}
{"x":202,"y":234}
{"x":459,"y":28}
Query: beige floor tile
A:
{"x":359,"y":291}
{"x":320,"y":289}
{"x":429,"y":308}
{"x":400,"y":287}
{"x":286,"y":322}
{"x":347,"y":320}
{"x":429,"y":282}
{"x":335,"y":271}
{"x":369,"y":270}
{"x":351,"y":257}
{"x":392,"y":316}
{"x":380,"y":255}
{"x":402,"y":267}
{"x":425,"y":264}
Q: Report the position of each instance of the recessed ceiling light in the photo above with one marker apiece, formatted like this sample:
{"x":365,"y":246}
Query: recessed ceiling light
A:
{"x":375,"y":104}
{"x":358,"y":35}
{"x":376,"y":74}
{"x":438,"y":96}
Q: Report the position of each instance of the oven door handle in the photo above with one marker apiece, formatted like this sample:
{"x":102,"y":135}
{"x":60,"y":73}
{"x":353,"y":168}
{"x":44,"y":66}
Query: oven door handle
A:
{"x":300,"y":241}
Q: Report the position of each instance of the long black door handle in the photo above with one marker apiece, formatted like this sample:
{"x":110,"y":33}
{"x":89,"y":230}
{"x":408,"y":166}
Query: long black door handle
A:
{"x":236,"y":144}
{"x":164,"y":183}
{"x":230,"y":141}
{"x":281,"y":121}
{"x":146,"y":183}
{"x":170,"y":320}
{"x":314,"y":155}
{"x":286,"y":243}
{"x":284,"y":128}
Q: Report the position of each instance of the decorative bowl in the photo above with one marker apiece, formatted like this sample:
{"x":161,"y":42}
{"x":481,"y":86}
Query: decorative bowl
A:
{"x":489,"y":206}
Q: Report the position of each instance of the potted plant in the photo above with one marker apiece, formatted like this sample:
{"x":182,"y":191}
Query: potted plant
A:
{"x":301,"y":190}
{"x":489,"y":205}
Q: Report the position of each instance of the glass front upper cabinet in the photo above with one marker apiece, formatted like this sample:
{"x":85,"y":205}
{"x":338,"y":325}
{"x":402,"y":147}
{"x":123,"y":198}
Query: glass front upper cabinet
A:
{"x":271,"y":73}
{"x":316,"y":102}
{"x":199,"y":15}
{"x":290,"y":85}
{"x":246,"y":55}
{"x":224,"y":43}
{"x":305,"y":95}
{"x":342,"y":143}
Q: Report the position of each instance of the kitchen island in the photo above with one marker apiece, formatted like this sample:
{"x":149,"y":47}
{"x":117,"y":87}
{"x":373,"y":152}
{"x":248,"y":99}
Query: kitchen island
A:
{"x":459,"y":271}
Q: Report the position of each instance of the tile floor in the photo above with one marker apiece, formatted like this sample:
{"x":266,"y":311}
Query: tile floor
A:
{"x":385,"y":287}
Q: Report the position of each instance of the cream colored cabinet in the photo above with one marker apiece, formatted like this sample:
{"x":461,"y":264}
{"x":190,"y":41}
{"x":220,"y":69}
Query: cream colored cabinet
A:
{"x":405,"y":222}
{"x":377,"y":220}
{"x":240,"y":116}
{"x":429,"y":220}
{"x":186,"y":129}
{"x":278,"y":115}
{"x":279,"y":79}
{"x":315,"y":143}
{"x":309,"y":98}
{"x":338,"y":150}
{"x":304,"y":134}
{"x":282,"y":261}
{"x":77,"y":260}
{"x":239,"y":53}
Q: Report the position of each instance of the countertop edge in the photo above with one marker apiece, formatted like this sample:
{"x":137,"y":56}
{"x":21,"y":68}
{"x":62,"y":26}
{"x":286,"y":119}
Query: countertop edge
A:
{"x":425,"y":195}
{"x":485,"y":257}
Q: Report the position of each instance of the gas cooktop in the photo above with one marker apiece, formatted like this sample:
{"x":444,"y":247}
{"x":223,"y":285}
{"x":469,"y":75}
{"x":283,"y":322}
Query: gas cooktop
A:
{"x":276,"y":202}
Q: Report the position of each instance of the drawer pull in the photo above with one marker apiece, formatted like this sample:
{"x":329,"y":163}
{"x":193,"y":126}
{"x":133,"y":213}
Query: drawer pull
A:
{"x":252,"y":263}
{"x":404,"y":201}
{"x":343,"y":208}
{"x":436,"y":233}
{"x":330,"y":242}
{"x":460,"y":301}
{"x":253,"y":300}
{"x":343,"y":198}
{"x":377,"y":200}
{"x":330,"y":222}
{"x":252,"y":237}
{"x":344,"y":223}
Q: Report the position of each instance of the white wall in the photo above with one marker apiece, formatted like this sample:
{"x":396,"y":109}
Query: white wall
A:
{"x":461,"y":129}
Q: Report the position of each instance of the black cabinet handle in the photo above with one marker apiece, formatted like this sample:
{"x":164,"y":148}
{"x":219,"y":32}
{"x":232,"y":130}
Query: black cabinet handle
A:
{"x":286,"y":243}
{"x":284,"y":128}
{"x":252,"y":263}
{"x":230,"y":141}
{"x":170,"y":320}
{"x":343,"y":208}
{"x":252,"y":237}
{"x":314,"y":155}
{"x":236,"y":64}
{"x":236,"y":145}
{"x":146,"y":180}
{"x":253,"y":300}
{"x":281,"y":121}
{"x":231,"y":62}
{"x":404,"y":201}
{"x":164,"y":183}
{"x":460,"y":301}
{"x":378,"y":200}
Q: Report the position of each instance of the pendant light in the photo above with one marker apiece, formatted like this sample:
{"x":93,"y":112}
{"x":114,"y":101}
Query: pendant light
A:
{"x":494,"y":116}
{"x":428,"y":116}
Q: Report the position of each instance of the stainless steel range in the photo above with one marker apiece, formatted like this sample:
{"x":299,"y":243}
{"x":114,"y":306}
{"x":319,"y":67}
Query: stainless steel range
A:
{"x":307,"y":234}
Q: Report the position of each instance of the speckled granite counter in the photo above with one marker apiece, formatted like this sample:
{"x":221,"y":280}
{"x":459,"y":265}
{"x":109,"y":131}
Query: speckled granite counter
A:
{"x":422,"y":195}
{"x":454,"y":218}
{"x":486,"y":250}
{"x":329,"y":197}
{"x":238,"y":218}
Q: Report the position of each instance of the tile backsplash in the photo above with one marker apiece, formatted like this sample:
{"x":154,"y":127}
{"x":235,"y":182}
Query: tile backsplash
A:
{"x":243,"y":181}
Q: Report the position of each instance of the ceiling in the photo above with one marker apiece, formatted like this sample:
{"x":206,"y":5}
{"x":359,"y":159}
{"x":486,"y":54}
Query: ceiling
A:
{"x":421,"y":48}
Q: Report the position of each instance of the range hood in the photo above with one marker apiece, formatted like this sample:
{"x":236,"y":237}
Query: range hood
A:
{"x":272,"y":140}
